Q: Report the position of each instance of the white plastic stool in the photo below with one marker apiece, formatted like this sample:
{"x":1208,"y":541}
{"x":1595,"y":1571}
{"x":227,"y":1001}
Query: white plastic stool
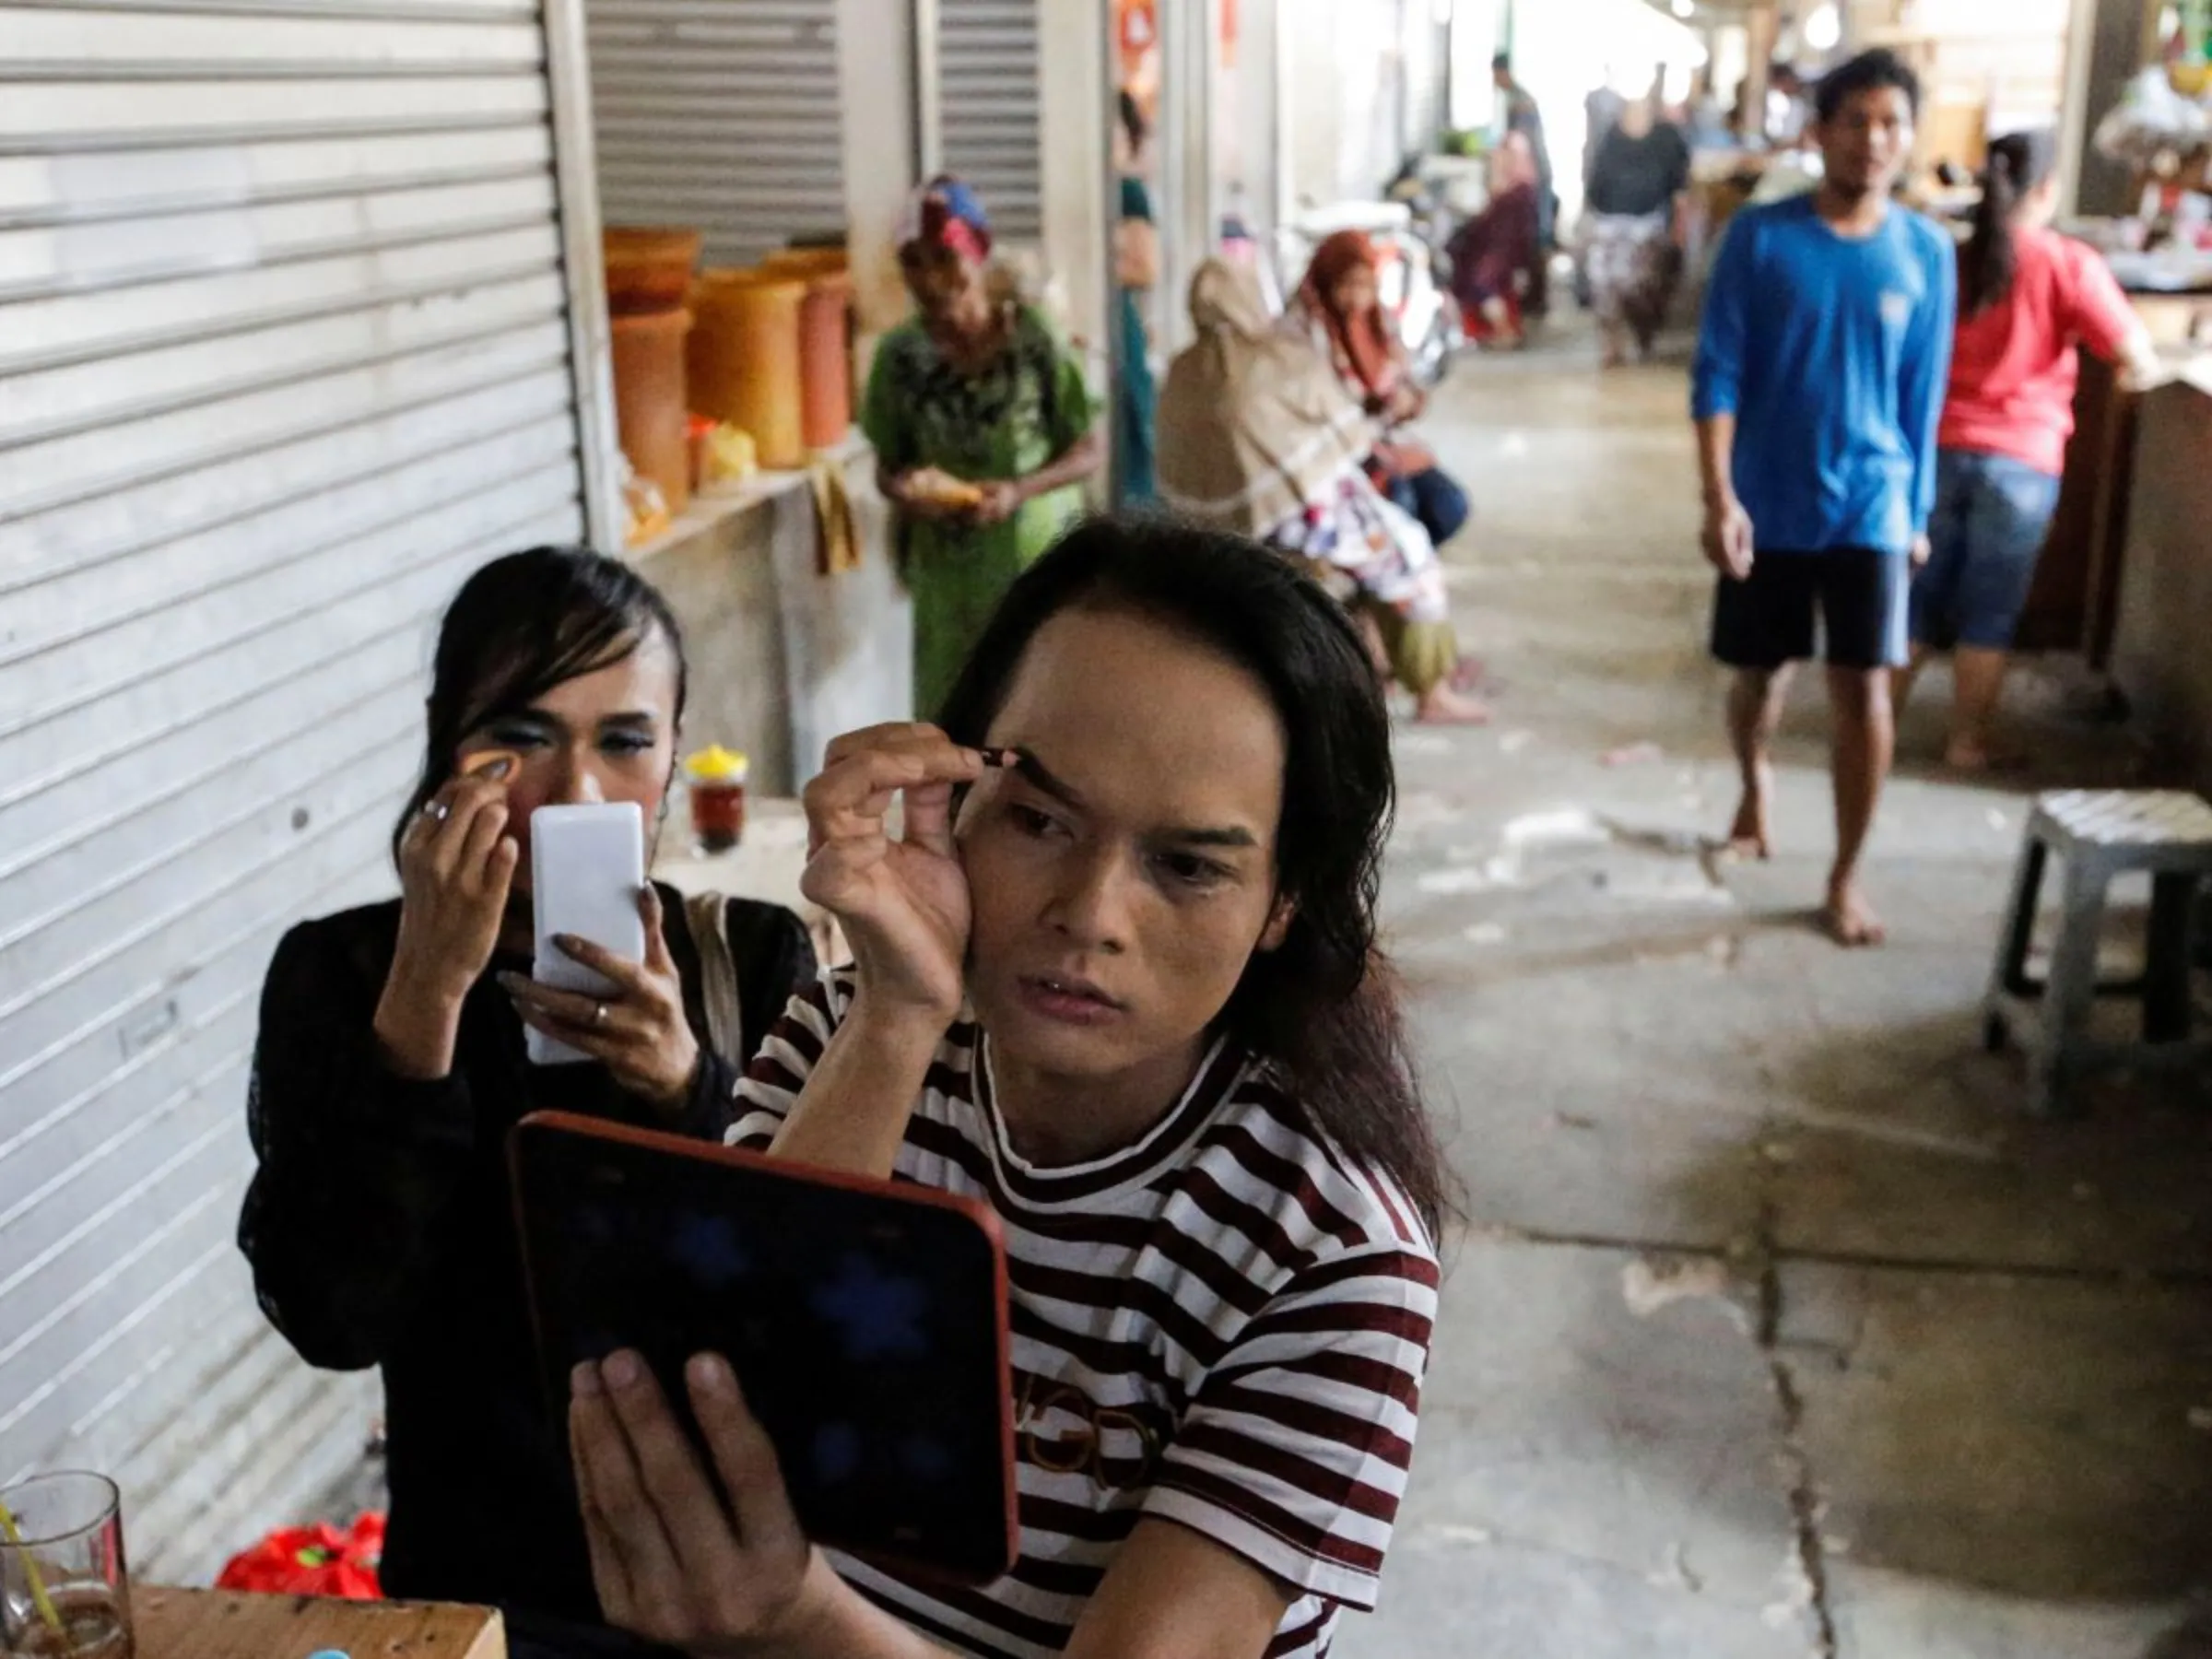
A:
{"x":2101,"y":834}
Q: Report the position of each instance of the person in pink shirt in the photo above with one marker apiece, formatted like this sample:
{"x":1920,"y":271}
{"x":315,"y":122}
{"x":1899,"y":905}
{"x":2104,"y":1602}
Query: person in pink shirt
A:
{"x":2027,"y":298}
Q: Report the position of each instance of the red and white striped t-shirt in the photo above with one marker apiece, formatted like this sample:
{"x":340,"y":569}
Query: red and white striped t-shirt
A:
{"x":1224,"y":1325}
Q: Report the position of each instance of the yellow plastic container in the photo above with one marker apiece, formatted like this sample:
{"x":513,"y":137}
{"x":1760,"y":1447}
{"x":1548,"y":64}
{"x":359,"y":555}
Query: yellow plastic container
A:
{"x":649,"y":400}
{"x":745,"y":360}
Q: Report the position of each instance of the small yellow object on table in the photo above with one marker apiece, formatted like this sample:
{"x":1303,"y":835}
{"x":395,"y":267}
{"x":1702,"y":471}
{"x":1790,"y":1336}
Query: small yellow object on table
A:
{"x":220,"y":1624}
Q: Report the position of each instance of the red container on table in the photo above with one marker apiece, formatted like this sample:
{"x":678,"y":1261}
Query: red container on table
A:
{"x":826,"y":360}
{"x":715,"y":777}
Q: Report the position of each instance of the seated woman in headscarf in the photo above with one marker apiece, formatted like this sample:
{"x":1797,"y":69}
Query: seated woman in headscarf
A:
{"x":1495,"y":254}
{"x":1341,"y":304}
{"x":983,"y":429}
{"x":1259,"y":438}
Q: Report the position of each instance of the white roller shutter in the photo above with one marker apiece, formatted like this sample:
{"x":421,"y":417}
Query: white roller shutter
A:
{"x":719,"y":114}
{"x":285,"y":352}
{"x":988,"y":108}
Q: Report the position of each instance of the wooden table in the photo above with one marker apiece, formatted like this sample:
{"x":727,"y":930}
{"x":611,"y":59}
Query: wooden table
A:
{"x":2159,"y":661}
{"x":2074,"y":603}
{"x":217,"y":1624}
{"x":766,"y":864}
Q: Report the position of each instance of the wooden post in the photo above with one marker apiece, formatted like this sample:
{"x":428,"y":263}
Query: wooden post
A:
{"x":1763,"y":22}
{"x":2107,"y":42}
{"x":880,"y":94}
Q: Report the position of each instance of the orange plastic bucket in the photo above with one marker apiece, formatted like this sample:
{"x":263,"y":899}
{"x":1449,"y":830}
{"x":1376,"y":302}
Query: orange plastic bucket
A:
{"x":745,"y":359}
{"x":650,"y":418}
{"x":648,"y":268}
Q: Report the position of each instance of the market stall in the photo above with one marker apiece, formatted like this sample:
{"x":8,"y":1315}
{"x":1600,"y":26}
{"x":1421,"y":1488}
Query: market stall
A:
{"x":2162,"y":130}
{"x":2073,"y":605}
{"x":2158,"y":660}
{"x":751,"y":495}
{"x":2126,"y":576}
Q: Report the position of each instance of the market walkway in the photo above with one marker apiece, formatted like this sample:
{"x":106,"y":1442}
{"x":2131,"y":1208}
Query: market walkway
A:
{"x":1776,"y":1331}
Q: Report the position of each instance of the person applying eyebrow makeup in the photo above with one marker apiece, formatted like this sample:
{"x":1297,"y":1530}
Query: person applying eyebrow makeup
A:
{"x":1118,"y":979}
{"x":390,"y":1065}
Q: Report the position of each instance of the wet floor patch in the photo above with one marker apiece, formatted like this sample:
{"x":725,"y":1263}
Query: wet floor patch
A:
{"x":1574,"y":856}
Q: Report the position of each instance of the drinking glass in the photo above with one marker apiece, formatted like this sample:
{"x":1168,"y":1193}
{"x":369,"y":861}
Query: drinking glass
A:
{"x":65,"y":1591}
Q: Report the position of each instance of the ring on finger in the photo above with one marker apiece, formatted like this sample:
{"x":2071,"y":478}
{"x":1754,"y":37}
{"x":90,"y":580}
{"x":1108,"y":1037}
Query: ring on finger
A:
{"x":437,"y":811}
{"x":598,"y":1014}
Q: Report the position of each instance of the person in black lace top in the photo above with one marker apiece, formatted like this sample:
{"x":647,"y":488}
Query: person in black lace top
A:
{"x":390,"y":1066}
{"x":1632,"y":233}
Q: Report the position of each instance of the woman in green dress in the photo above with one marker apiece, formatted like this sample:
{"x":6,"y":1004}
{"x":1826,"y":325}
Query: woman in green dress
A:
{"x":982,"y":427}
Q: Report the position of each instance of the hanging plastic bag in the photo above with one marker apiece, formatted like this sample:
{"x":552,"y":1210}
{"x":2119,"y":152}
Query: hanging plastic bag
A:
{"x":647,"y":509}
{"x":312,"y":1560}
{"x":2150,"y":117}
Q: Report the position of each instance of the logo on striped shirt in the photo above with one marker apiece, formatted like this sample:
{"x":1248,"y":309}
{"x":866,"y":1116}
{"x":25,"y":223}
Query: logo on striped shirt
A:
{"x":1080,"y":1446}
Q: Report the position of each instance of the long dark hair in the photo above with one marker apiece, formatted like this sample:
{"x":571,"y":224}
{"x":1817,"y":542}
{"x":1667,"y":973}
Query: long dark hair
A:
{"x":1321,"y":1011}
{"x":1134,"y":124}
{"x":2018,"y":162}
{"x":521,"y":626}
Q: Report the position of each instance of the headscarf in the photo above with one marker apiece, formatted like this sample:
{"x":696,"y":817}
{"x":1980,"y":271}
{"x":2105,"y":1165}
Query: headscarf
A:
{"x":1254,"y":425}
{"x":1513,"y":164}
{"x":1361,"y":343}
{"x":946,"y":213}
{"x":1226,"y":302}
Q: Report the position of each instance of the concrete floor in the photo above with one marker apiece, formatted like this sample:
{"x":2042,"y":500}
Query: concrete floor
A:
{"x":1775,"y":1329}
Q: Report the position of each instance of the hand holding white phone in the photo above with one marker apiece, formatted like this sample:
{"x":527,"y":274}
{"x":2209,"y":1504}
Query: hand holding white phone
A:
{"x":587,"y":867}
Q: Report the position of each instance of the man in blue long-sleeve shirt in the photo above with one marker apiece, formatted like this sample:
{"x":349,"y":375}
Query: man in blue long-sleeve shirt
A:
{"x":1820,"y":381}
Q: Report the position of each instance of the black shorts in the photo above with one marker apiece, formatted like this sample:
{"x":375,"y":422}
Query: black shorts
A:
{"x":1860,"y":599}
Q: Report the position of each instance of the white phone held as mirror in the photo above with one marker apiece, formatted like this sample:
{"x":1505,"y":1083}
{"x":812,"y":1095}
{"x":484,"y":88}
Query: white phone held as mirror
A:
{"x":587,"y":867}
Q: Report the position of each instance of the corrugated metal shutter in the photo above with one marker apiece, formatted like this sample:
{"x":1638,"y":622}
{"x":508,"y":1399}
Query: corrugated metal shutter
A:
{"x":284,"y":353}
{"x":720,"y":114}
{"x":988,"y":105}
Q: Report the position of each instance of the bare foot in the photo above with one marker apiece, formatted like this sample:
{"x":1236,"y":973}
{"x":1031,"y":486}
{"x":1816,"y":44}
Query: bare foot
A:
{"x":1971,"y":755}
{"x":1849,"y":920}
{"x":1749,"y":837}
{"x":1444,"y":706}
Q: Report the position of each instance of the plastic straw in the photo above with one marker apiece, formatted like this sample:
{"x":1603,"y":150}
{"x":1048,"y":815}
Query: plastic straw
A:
{"x":31,"y":1566}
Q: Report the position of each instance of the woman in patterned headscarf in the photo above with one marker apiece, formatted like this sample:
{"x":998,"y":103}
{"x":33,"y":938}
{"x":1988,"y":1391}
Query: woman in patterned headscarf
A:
{"x":1340,"y":303}
{"x":1260,"y":439}
{"x":983,"y":430}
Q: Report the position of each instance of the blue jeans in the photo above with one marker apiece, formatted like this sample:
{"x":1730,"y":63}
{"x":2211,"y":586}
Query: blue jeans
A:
{"x":1432,"y":498}
{"x":1991,"y":516}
